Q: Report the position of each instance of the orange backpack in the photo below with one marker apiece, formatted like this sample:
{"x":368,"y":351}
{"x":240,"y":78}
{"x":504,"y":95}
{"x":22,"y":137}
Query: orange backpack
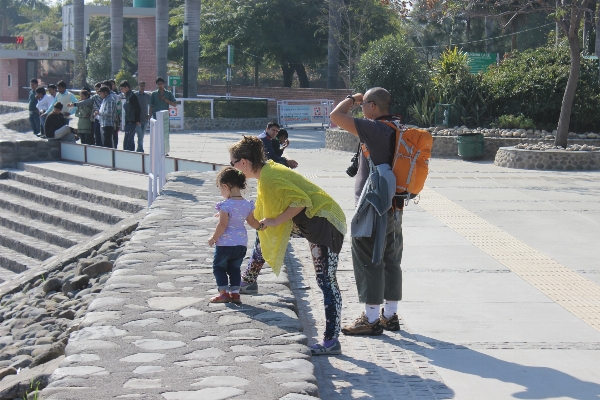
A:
{"x":411,"y":158}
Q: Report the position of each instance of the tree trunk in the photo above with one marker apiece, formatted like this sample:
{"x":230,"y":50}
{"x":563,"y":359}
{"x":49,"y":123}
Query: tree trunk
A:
{"x":162,"y":37}
{"x":116,"y":36}
{"x":302,"y":77}
{"x":256,"y":64}
{"x":333,"y":45}
{"x":567,"y":103}
{"x":192,"y":17}
{"x":587,"y":28}
{"x":514,"y":28}
{"x":489,"y":30}
{"x":597,"y":47}
{"x":78,"y":17}
{"x":288,"y":74}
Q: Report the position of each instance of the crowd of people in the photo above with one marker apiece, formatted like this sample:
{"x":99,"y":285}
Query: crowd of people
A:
{"x":100,"y":113}
{"x":289,"y":205}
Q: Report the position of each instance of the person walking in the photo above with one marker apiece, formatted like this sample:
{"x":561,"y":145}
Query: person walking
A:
{"x":230,"y":236}
{"x":131,"y":106}
{"x":286,"y":200}
{"x":379,"y":283}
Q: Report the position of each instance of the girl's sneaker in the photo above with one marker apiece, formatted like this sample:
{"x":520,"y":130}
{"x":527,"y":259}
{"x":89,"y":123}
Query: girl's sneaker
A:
{"x":235,"y":298}
{"x":318,"y":349}
{"x":223,"y":297}
{"x":249,"y":288}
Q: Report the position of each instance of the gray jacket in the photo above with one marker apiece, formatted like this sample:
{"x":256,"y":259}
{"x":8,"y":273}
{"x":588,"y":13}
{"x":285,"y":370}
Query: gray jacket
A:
{"x":375,"y":201}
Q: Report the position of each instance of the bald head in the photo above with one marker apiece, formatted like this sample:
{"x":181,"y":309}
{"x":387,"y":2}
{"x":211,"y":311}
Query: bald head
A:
{"x":380,"y":97}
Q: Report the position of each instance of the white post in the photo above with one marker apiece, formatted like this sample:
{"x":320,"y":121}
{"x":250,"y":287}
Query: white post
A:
{"x":156,"y":177}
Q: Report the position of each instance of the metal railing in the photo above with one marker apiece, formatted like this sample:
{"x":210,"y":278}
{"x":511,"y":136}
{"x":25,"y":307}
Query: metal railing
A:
{"x":128,"y":160}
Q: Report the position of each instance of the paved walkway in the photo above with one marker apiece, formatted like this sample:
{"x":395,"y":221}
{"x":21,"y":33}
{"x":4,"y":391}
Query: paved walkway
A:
{"x":501,"y":282}
{"x":501,"y":290}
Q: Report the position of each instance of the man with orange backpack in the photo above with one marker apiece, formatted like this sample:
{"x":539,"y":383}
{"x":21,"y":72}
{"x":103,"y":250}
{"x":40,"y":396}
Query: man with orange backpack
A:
{"x":379,"y":276}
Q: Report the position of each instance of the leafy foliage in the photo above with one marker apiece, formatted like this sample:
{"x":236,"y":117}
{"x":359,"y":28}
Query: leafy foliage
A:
{"x":512,"y":122}
{"x":124,"y":75}
{"x":390,"y":63}
{"x":533,"y":83}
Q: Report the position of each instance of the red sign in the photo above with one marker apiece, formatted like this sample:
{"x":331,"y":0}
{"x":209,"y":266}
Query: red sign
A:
{"x":12,"y":39}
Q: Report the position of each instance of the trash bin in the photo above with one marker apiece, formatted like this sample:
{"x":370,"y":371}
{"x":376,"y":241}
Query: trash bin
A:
{"x":470,"y":145}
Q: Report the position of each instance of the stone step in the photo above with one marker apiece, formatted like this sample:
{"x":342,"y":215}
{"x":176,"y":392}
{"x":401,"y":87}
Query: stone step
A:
{"x":104,"y":179}
{"x":61,"y":202}
{"x":48,"y":233}
{"x":6,"y":274}
{"x":69,"y":221}
{"x":15,"y":262}
{"x":28,"y":245}
{"x":74,"y":190}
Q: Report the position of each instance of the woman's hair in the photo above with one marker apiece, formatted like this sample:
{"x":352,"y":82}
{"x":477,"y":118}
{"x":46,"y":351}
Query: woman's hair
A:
{"x":231,"y":177}
{"x":251,"y":148}
{"x":85,"y":94}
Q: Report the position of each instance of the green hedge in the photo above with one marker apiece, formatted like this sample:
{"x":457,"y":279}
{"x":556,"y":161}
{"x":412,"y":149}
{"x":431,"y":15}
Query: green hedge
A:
{"x":226,"y":109}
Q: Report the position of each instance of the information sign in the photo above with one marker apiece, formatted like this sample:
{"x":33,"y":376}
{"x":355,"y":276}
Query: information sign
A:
{"x":174,"y":81}
{"x":481,"y":61}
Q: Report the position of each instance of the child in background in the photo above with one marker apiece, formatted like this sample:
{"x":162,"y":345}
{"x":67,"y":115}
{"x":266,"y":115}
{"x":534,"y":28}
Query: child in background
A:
{"x":282,"y":137}
{"x":230,"y":236}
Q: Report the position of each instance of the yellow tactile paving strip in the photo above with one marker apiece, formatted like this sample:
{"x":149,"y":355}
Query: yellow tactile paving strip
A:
{"x":573,"y":292}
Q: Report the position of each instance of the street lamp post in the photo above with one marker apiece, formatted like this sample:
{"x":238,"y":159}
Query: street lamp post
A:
{"x":185,"y":59}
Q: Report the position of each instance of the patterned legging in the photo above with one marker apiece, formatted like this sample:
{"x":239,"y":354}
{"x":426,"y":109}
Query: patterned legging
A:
{"x":326,"y":263}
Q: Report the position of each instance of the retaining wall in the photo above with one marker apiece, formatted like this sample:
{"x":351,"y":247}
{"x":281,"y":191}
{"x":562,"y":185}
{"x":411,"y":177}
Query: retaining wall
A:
{"x":444,"y":146}
{"x":560,"y":160}
{"x":17,"y":142}
{"x":208,"y":124}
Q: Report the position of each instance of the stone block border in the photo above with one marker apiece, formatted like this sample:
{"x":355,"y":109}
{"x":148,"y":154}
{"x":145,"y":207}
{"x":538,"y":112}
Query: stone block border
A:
{"x":559,"y":160}
{"x":444,"y":146}
{"x":211,"y":124}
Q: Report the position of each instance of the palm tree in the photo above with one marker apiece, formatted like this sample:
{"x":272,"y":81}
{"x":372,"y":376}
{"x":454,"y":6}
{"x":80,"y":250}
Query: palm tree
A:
{"x":116,"y":35}
{"x":333,"y":45}
{"x":78,"y":17}
{"x":192,"y":17}
{"x":162,"y":36}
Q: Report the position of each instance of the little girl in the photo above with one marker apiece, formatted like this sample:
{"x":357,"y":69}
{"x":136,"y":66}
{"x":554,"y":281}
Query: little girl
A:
{"x":230,"y":235}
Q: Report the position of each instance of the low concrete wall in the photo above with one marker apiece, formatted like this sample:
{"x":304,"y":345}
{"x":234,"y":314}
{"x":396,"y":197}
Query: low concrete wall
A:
{"x":443,"y":146}
{"x":209,"y":124}
{"x":560,"y":160}
{"x":17,"y":142}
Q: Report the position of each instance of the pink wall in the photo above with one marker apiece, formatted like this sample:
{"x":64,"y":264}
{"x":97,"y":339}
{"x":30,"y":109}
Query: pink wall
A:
{"x":147,"y":52}
{"x":9,"y":67}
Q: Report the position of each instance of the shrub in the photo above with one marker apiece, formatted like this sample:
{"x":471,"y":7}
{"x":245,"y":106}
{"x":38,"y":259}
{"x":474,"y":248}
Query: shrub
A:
{"x":226,"y":109}
{"x":124,"y":75}
{"x":512,"y":122}
{"x":533,"y":83}
{"x":390,"y":63}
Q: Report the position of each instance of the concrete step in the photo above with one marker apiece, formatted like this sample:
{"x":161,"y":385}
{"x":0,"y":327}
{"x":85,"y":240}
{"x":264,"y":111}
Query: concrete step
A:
{"x":49,"y":233}
{"x":80,"y":192}
{"x":61,"y":202}
{"x":67,"y":220}
{"x":28,"y":245}
{"x":106,"y":180}
{"x":15,"y":262}
{"x":5,"y":274}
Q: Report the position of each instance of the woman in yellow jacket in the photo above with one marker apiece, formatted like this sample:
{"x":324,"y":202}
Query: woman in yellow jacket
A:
{"x":286,"y":200}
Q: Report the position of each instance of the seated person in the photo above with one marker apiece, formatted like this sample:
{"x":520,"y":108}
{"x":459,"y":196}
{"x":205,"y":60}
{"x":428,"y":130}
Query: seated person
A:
{"x":282,"y":138}
{"x":268,"y":139}
{"x":57,"y":125}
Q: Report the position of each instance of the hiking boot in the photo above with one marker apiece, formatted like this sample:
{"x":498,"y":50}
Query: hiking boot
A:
{"x":235,"y":298}
{"x":361,"y":326}
{"x":389,"y":324}
{"x":249,"y":288}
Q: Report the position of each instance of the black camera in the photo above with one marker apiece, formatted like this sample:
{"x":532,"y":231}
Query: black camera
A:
{"x":353,"y":169}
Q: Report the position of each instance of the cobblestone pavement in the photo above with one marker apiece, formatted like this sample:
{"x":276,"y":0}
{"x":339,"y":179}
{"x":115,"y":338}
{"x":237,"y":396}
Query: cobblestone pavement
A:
{"x":152,"y":333}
